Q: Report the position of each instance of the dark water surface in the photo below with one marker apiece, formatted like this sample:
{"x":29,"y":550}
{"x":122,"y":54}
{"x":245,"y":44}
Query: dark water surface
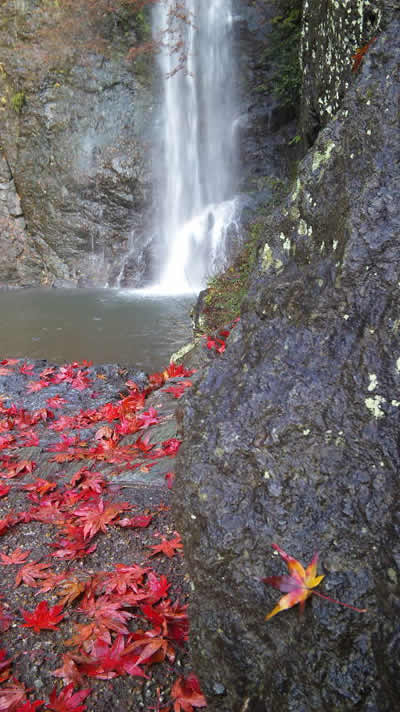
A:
{"x":101,"y":325}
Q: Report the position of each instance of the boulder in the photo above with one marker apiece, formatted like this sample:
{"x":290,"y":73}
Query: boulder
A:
{"x":292,"y":435}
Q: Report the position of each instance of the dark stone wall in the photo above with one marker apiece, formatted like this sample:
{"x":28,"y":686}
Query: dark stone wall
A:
{"x":292,"y":435}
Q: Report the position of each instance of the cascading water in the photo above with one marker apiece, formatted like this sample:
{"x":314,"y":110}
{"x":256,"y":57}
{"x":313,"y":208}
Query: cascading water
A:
{"x":196,"y":206}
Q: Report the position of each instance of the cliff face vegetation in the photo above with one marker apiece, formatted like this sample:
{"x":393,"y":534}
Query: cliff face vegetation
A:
{"x":291,"y":435}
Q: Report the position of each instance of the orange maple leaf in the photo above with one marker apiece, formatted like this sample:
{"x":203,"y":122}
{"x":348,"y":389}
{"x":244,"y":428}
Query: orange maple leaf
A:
{"x":299,"y":585}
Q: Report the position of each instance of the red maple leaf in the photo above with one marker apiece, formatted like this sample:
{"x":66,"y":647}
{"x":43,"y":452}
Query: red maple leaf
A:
{"x":149,"y":418}
{"x":5,"y":618}
{"x":123,"y":578}
{"x":35,"y":386}
{"x":18,"y":556}
{"x":152,"y":647}
{"x":107,"y":661}
{"x":156,"y":588}
{"x":174,"y":370}
{"x":42,"y":617}
{"x":179,"y":389}
{"x":12,"y":695}
{"x":75,"y":546}
{"x":69,"y":671}
{"x":22,"y":467}
{"x":169,"y":478}
{"x":30,"y":706}
{"x":139,"y":521}
{"x":171,"y":446}
{"x":106,"y":612}
{"x":167,"y":547}
{"x":4,"y":490}
{"x":68,"y":700}
{"x":97,"y":515}
{"x":30,"y":573}
{"x":56,"y":402}
{"x":40,"y":487}
{"x":26,"y":368}
{"x":4,"y":665}
{"x":186,"y":694}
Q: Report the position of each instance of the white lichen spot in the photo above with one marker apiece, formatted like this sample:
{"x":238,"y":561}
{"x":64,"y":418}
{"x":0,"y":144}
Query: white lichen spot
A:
{"x":296,"y":191}
{"x":398,"y":364}
{"x":369,"y":132}
{"x":374,"y":405}
{"x":286,"y":245}
{"x":267,"y":258}
{"x":306,"y":431}
{"x":351,"y":155}
{"x":346,"y":316}
{"x":302,"y":229}
{"x":335,"y":244}
{"x":373,"y":382}
{"x":320,"y":157}
{"x":267,"y":475}
{"x":395,"y":403}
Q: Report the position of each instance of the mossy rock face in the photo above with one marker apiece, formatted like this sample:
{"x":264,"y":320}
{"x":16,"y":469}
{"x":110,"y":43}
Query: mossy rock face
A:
{"x":291,"y":436}
{"x":332,"y":32}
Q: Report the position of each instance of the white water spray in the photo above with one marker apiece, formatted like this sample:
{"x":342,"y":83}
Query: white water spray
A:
{"x":196,"y":205}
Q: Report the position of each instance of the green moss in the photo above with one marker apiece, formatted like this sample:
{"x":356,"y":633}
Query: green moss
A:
{"x":17,"y":101}
{"x":283,"y":51}
{"x":226,"y":291}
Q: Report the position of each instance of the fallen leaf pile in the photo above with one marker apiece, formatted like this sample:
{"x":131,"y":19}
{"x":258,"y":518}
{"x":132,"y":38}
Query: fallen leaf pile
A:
{"x":122,"y":620}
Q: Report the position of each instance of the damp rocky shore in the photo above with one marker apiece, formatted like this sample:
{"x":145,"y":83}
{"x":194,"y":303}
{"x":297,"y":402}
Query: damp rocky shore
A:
{"x":100,"y":440}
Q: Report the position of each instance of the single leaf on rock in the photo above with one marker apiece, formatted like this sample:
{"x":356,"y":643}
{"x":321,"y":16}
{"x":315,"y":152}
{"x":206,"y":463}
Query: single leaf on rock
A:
{"x":4,"y":490}
{"x":68,"y":700}
{"x":30,"y":573}
{"x":42,"y":617}
{"x":169,"y":478}
{"x":299,"y":585}
{"x":17,"y":556}
{"x":139,"y":521}
{"x":186,"y":694}
{"x":167,"y":547}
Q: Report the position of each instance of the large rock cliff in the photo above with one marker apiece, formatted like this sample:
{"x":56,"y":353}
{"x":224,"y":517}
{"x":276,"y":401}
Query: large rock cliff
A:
{"x":292,"y":435}
{"x":75,"y":116}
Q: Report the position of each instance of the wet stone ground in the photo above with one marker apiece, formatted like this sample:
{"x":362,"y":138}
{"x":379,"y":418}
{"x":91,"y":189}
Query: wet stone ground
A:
{"x":86,"y":470}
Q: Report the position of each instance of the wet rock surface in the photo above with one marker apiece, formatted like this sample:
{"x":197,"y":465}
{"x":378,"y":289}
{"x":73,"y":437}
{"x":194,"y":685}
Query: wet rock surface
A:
{"x":291,"y":436}
{"x":51,"y":417}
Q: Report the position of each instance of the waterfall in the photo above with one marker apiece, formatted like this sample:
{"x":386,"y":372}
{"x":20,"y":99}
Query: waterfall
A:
{"x":196,"y":208}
